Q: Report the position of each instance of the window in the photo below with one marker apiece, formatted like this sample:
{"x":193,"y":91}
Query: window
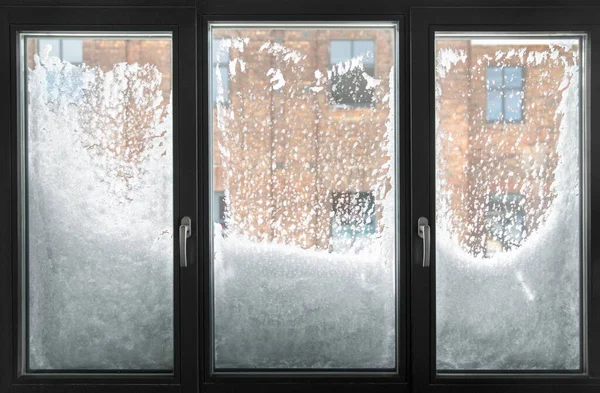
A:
{"x":95,"y":152}
{"x":98,"y":146}
{"x":505,"y":223}
{"x":251,"y":196}
{"x":220,"y":206}
{"x":353,"y":220}
{"x":303,"y":279}
{"x":67,"y":49}
{"x":350,"y":60}
{"x":220,"y":66}
{"x":504,"y":94}
{"x":509,"y":221}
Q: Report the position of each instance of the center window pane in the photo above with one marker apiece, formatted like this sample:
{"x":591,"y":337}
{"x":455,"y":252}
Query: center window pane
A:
{"x":304,"y":194}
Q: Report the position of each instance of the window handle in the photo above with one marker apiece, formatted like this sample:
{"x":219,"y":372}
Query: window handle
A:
{"x":185,"y":231}
{"x":424,"y":232}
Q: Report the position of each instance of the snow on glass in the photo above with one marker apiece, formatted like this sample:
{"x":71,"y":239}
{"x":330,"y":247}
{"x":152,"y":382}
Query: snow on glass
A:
{"x":99,"y":194}
{"x":508,"y":210}
{"x":303,"y":144}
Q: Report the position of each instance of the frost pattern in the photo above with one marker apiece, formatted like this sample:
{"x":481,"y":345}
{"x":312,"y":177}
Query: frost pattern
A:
{"x":284,"y":307}
{"x":518,"y":309}
{"x":287,"y":292}
{"x":99,"y":181}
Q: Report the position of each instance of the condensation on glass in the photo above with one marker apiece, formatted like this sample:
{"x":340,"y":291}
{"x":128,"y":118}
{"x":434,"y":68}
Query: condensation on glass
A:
{"x":509,"y":184}
{"x":97,"y":201}
{"x":303,"y":125}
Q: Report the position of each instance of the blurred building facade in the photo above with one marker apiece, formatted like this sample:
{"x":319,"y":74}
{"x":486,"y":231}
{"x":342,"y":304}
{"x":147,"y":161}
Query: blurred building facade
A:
{"x":497,"y":113}
{"x":309,"y":162}
{"x":305,"y":164}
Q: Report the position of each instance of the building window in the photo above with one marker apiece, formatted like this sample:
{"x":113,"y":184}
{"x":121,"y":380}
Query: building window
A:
{"x":352,"y":220}
{"x":504,"y":94}
{"x":220,"y":62}
{"x":505,"y":223}
{"x":70,"y":50}
{"x":219,"y":207}
{"x":349,"y":85}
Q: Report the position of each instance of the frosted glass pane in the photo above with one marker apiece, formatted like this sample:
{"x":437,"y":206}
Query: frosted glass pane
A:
{"x":304,"y":262}
{"x":508,"y":203}
{"x":220,"y":51}
{"x":99,"y":205}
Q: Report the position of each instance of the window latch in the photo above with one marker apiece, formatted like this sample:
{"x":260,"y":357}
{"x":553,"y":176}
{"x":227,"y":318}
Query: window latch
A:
{"x":424,"y":232}
{"x":185,"y":231}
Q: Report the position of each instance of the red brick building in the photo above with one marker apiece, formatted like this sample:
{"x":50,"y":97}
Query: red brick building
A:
{"x":314,"y":152}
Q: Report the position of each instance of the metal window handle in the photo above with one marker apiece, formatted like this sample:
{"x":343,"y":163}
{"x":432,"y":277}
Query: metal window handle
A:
{"x":424,"y":232}
{"x":185,"y":231}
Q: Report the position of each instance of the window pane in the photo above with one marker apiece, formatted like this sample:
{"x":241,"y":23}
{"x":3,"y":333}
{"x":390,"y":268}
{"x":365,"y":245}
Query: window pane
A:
{"x":508,"y":221}
{"x":219,"y":207}
{"x":340,"y":51}
{"x":353,"y":219}
{"x":304,"y":262}
{"x":351,"y":88}
{"x":349,"y":84}
{"x":49,"y":45}
{"x":365,"y":48}
{"x":513,"y":77}
{"x":72,"y":51}
{"x":494,"y":77}
{"x":513,"y":103}
{"x":98,"y":170}
{"x":494,"y":105}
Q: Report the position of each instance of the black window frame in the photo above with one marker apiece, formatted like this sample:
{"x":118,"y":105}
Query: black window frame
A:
{"x":301,"y":380}
{"x":180,"y":23}
{"x":425,"y":22}
{"x":415,"y":175}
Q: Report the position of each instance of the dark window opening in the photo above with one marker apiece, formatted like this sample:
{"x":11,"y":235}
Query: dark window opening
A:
{"x":353,"y":219}
{"x":220,"y":66}
{"x":219,"y":208}
{"x":505,"y":221}
{"x":348,"y":84}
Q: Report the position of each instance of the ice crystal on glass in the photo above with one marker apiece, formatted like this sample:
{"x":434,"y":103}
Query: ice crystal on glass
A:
{"x":304,"y":268}
{"x":508,"y":210}
{"x":99,"y":216}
